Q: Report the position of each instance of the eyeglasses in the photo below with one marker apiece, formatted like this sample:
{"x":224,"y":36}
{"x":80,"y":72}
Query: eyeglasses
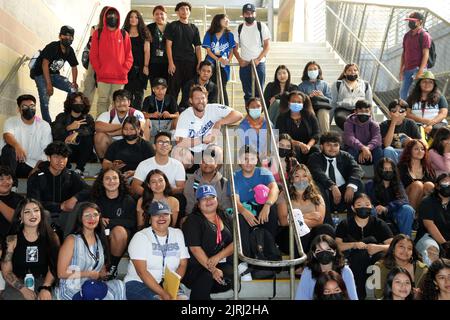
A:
{"x":31,"y":106}
{"x":401,"y":110}
{"x":163,"y":143}
{"x":91,"y":215}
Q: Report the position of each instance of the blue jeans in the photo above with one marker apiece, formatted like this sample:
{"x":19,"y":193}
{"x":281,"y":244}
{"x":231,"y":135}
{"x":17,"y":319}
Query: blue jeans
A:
{"x":404,"y":218}
{"x":245,"y":73}
{"x":59,"y":82}
{"x":137,"y":290}
{"x":393,"y":154}
{"x":377,"y":154}
{"x":408,"y":79}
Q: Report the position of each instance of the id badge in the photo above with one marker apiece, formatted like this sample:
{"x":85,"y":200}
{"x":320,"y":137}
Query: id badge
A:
{"x":159,"y":52}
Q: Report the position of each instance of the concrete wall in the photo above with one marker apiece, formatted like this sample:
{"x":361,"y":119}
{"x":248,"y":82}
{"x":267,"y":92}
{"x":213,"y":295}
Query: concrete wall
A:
{"x":27,"y":26}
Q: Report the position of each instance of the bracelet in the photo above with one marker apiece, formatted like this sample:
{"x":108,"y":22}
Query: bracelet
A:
{"x":48,"y":288}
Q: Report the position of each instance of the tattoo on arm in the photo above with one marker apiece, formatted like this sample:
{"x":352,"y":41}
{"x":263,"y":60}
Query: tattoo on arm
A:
{"x":13,"y":281}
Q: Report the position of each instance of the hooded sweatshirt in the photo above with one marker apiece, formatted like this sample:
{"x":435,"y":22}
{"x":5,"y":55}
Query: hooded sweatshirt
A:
{"x":111,"y":55}
{"x":357,"y":134}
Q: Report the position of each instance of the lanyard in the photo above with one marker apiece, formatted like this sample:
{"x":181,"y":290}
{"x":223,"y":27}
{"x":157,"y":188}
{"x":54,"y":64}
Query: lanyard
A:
{"x":159,"y":111}
{"x":95,"y":256}
{"x":160,"y":36}
{"x":163,"y":249}
{"x":218,"y":231}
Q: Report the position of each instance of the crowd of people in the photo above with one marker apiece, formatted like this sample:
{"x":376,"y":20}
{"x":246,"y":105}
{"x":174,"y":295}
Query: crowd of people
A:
{"x":161,"y":196}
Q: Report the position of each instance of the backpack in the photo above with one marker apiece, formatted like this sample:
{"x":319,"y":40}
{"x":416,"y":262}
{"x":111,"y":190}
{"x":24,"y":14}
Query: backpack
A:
{"x":32,"y":63}
{"x":432,"y":53}
{"x":112,"y":113}
{"x":258,"y":24}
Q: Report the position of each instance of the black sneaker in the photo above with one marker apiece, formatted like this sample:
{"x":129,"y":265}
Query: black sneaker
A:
{"x":112,"y":273}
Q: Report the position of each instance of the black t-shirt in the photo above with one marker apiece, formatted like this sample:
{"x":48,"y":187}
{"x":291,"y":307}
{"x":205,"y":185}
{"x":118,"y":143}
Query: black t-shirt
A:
{"x":53,"y":53}
{"x":158,"y":43}
{"x":169,"y":103}
{"x":130,"y":154}
{"x":11,"y":200}
{"x":137,"y":48}
{"x":199,"y":232}
{"x":407,"y":127}
{"x":349,"y":231}
{"x":30,"y":256}
{"x":431,"y":209}
{"x":121,"y":211}
{"x":184,"y":38}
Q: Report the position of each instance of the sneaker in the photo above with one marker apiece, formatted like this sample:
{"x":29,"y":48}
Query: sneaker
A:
{"x":79,"y":172}
{"x":244,"y":272}
{"x":112,"y":273}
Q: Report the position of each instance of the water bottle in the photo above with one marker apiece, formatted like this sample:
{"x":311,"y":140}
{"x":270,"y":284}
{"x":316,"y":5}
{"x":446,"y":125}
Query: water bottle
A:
{"x":29,"y":281}
{"x":336,"y":219}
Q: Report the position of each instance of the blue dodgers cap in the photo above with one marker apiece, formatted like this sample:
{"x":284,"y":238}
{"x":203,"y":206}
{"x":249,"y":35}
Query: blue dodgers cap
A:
{"x":92,"y":290}
{"x":158,"y":207}
{"x":204,"y":191}
{"x":248,"y":7}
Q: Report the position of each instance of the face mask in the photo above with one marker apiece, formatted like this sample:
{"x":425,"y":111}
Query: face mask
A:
{"x":283,"y":152}
{"x":254,"y":113}
{"x":334,"y":296}
{"x":28,"y":114}
{"x":412,"y":25}
{"x":249,"y":20}
{"x":324,"y":257}
{"x":111,"y":21}
{"x":130,"y":137}
{"x":66,"y":42}
{"x":363,"y":117}
{"x":388,"y":175}
{"x":295,"y":107}
{"x":77,"y":107}
{"x":351,"y":77}
{"x":301,"y":185}
{"x":444,"y":190}
{"x":363,"y":213}
{"x":313,"y":74}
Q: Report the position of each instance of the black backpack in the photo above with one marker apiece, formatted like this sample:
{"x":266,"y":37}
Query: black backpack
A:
{"x":432,"y":53}
{"x":258,"y":25}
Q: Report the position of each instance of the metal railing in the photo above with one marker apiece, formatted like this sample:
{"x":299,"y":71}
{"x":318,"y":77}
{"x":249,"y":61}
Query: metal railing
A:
{"x":371,"y":35}
{"x":12,"y":72}
{"x":293,"y":232}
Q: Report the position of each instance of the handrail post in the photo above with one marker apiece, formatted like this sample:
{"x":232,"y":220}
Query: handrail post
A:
{"x":13,"y":71}
{"x":359,"y":34}
{"x":383,"y":45}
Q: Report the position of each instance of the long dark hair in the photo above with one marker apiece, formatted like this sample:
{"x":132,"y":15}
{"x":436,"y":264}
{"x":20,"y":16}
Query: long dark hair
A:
{"x":144,"y":34}
{"x":416,"y":94}
{"x":311,"y":193}
{"x":99,"y":229}
{"x":219,"y":211}
{"x":322,"y":281}
{"x":71,"y":99}
{"x":429,"y":289}
{"x":44,"y":230}
{"x":389,"y":258}
{"x":147,"y":196}
{"x":215,"y":26}
{"x":305,"y":76}
{"x":285,"y":98}
{"x":312,"y":262}
{"x":347,"y":66}
{"x":440,"y":135}
{"x":277,"y":82}
{"x":390,"y":278}
{"x":406,"y":157}
{"x":135,"y":123}
{"x":98,"y":189}
{"x":378,"y":179}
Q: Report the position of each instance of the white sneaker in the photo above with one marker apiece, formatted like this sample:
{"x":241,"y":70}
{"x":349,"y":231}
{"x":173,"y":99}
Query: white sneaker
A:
{"x":242,"y":268}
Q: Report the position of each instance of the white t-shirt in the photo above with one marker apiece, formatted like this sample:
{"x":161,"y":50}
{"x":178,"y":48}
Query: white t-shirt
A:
{"x":143,"y":246}
{"x":105,"y":116}
{"x":250,"y":40}
{"x":33,"y":138}
{"x":174,"y":170}
{"x":190,"y":126}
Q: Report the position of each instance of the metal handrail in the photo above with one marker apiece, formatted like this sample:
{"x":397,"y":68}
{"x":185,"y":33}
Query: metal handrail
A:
{"x":381,"y":64}
{"x":13,"y":71}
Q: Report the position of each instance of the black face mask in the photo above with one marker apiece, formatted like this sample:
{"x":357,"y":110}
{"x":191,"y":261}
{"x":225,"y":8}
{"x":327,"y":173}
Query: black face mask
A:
{"x":334,"y":296}
{"x":77,"y":107}
{"x":130,"y":137}
{"x":66,"y":42}
{"x":363,"y":213}
{"x":324,"y":257}
{"x":112,"y":21}
{"x":351,"y":77}
{"x":28,"y":114}
{"x":283,"y":152}
{"x":412,"y":25}
{"x":444,"y":190}
{"x":249,"y":20}
{"x":388,"y":175}
{"x":363,"y":117}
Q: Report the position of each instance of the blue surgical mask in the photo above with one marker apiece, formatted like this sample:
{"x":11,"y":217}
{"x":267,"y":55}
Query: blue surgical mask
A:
{"x":254,"y":113}
{"x":313,"y":74}
{"x":301,"y":185}
{"x":295,"y":107}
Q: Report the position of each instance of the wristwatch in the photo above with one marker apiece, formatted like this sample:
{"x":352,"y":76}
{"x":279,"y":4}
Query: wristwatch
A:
{"x":48,"y":288}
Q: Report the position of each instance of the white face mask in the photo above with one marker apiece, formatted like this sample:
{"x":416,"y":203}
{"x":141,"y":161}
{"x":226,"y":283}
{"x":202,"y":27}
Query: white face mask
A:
{"x":313,"y":74}
{"x":255,"y":113}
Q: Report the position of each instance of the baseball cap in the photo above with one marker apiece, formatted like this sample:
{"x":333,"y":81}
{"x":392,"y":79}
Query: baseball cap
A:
{"x":248,"y":7}
{"x":67,"y":31}
{"x":205,"y":191}
{"x":159,"y":82}
{"x":415,"y":15}
{"x":158,"y":207}
{"x":92,"y":290}
{"x":427,"y":75}
{"x":261,"y":193}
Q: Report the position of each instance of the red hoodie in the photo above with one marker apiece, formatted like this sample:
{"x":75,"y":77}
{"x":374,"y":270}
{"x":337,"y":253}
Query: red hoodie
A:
{"x":111,"y":56}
